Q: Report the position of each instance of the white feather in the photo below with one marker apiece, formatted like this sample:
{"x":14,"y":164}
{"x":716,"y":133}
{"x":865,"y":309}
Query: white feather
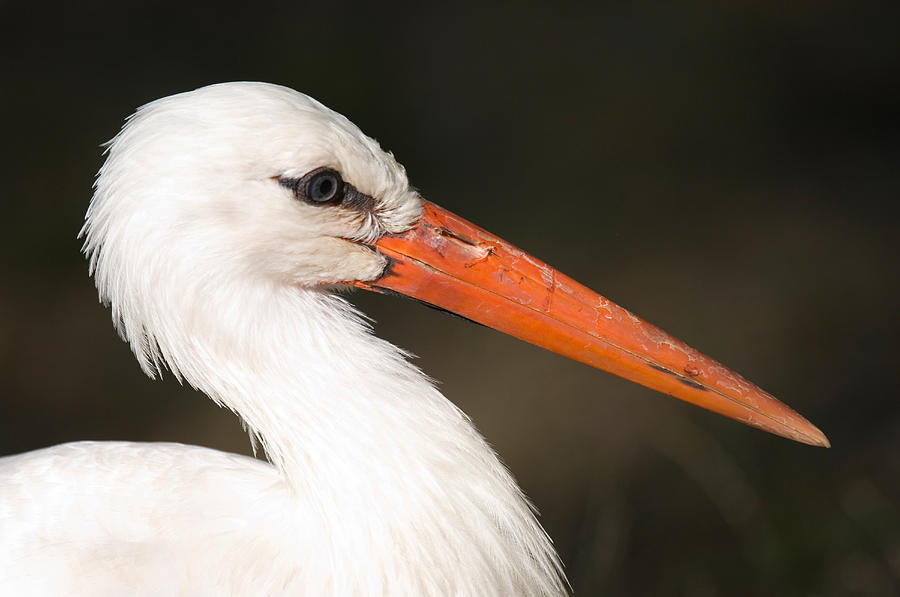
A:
{"x":378,"y":484}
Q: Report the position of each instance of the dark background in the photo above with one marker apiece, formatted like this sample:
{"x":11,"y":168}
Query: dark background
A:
{"x":729,"y":173}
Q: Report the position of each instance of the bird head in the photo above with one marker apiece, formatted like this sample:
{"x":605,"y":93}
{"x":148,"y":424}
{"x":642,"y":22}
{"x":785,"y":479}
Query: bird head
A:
{"x":244,"y":181}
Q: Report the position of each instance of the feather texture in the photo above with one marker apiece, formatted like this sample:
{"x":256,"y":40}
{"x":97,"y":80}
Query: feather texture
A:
{"x":378,"y":485}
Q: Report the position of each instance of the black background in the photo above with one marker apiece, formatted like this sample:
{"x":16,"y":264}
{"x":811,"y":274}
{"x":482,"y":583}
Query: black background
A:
{"x":729,"y":173}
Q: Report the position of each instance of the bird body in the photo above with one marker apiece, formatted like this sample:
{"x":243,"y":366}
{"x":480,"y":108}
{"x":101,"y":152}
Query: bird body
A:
{"x":222,"y":221}
{"x":115,"y":518}
{"x":172,"y":519}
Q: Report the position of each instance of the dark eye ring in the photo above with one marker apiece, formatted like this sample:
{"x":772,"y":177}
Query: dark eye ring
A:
{"x":321,"y":186}
{"x":324,"y":186}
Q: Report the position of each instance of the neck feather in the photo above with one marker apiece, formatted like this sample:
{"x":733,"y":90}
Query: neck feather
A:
{"x":367,"y":443}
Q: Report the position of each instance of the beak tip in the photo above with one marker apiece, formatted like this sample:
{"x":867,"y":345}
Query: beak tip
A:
{"x":813,"y":436}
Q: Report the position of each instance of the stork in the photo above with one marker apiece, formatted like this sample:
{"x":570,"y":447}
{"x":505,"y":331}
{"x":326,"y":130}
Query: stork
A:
{"x":223,"y":223}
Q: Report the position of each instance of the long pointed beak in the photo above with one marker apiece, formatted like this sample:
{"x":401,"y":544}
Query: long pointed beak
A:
{"x":454,"y":265}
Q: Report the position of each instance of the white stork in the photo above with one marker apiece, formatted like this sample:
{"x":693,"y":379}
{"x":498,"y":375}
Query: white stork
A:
{"x":222,"y":224}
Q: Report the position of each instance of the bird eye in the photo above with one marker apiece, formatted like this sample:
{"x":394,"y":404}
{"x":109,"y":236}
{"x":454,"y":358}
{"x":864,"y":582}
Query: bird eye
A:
{"x":323,"y":186}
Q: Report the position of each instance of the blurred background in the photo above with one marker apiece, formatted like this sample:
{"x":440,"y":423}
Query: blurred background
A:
{"x":729,"y":173}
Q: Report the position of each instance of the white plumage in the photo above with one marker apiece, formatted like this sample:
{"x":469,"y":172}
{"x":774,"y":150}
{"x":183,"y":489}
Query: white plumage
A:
{"x":378,"y":484}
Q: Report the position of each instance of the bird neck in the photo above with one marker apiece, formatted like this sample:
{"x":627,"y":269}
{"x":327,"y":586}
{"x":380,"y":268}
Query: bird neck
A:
{"x":363,"y":439}
{"x":316,"y":387}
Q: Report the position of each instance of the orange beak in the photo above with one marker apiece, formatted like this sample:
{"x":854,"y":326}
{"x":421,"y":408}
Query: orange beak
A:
{"x":454,"y":265}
